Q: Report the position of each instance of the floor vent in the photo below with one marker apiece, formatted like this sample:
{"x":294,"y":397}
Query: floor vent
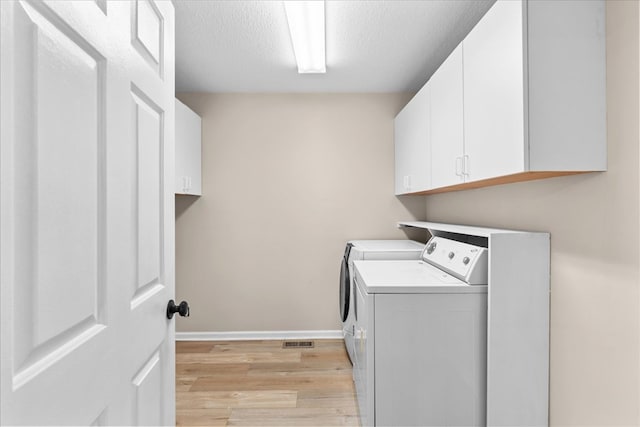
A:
{"x":297,"y":344}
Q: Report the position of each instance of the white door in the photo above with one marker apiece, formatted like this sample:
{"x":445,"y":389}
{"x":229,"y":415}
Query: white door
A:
{"x":86,"y":216}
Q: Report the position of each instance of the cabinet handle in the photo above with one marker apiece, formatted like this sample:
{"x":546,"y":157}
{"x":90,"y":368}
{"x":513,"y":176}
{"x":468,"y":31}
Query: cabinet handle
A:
{"x":186,"y":183}
{"x":465,"y":165}
{"x":407,"y":182}
{"x":459,"y":166}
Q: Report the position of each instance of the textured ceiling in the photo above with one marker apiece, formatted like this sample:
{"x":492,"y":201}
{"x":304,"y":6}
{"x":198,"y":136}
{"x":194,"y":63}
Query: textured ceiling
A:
{"x":372,"y":46}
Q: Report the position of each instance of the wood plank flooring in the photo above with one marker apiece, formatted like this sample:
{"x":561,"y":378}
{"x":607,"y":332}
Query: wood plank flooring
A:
{"x":258,"y":383}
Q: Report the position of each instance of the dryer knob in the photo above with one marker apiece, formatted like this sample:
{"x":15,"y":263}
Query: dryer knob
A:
{"x":431,"y":248}
{"x":451,"y":255}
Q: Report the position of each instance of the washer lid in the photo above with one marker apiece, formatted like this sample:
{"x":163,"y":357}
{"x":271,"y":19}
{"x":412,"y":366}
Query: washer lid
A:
{"x":387,"y":245}
{"x":391,"y":277}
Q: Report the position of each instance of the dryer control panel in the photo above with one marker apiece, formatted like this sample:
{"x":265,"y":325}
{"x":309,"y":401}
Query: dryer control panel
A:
{"x":462,"y":260}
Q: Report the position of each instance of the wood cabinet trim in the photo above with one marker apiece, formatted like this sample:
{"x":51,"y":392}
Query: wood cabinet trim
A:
{"x":508,"y":179}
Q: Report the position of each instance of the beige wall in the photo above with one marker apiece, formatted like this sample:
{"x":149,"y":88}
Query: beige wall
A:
{"x":287,"y":180}
{"x":594,"y":224}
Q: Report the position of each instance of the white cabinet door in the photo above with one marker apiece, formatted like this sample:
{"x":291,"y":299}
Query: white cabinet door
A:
{"x":86,"y":213}
{"x":402,"y":147}
{"x":494,"y":94}
{"x":188,"y":151}
{"x":412,"y":146}
{"x":447,"y":122}
{"x":566,"y":81}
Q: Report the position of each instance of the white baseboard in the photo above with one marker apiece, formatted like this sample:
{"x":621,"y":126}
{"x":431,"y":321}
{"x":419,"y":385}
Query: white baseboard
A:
{"x":257,"y":335}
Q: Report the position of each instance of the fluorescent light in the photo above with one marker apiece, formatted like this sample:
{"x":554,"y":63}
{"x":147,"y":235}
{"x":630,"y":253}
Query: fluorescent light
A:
{"x":306,"y":26}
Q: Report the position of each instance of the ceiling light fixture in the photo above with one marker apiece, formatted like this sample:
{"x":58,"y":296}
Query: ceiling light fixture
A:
{"x":306,"y":26}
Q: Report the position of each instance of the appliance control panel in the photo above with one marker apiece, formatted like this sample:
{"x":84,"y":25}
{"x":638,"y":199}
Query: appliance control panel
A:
{"x":462,"y":260}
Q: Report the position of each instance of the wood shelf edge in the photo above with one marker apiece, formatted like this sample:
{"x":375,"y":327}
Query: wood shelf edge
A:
{"x":507,"y":179}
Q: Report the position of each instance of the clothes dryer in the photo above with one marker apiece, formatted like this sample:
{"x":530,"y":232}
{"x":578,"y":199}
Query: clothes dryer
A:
{"x":367,"y":250}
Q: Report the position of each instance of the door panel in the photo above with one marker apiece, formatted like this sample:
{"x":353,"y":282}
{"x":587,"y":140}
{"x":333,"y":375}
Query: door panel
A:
{"x":86,"y":255}
{"x":47,"y":181}
{"x":148,"y":405}
{"x":60,"y":79}
{"x":148,"y":34}
{"x":148,"y":122}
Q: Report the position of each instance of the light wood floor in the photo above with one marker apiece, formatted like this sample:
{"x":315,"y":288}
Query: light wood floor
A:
{"x":258,"y":383}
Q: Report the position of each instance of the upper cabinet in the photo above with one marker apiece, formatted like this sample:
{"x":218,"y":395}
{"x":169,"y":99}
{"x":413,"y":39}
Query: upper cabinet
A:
{"x":533,"y":97}
{"x":412,"y":153}
{"x":188,"y":151}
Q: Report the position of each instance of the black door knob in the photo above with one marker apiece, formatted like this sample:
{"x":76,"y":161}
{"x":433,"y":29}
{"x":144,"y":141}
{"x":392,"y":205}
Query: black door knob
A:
{"x":182,"y":309}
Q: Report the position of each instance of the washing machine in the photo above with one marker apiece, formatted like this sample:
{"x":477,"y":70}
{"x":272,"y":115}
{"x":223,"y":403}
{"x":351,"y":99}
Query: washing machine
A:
{"x":420,"y":337}
{"x":367,"y":250}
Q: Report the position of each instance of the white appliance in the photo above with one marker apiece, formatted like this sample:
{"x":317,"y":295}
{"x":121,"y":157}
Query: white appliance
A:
{"x":366,"y":250}
{"x":420,"y":337}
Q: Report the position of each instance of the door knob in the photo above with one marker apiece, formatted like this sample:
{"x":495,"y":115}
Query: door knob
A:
{"x":182,"y":309}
